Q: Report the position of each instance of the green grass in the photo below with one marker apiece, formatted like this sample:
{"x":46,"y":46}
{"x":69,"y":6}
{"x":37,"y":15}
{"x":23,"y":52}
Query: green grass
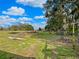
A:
{"x":9,"y":47}
{"x":18,"y":46}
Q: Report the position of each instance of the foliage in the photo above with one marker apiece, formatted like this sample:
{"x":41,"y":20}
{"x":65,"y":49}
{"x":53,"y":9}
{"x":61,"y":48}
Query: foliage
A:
{"x":21,"y":27}
{"x":39,"y":29}
{"x":59,"y":10}
{"x":63,"y":14}
{"x":1,"y":28}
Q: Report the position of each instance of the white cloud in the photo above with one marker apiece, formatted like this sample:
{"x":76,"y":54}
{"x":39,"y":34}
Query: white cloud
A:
{"x":6,"y":19}
{"x":44,"y":22}
{"x":23,"y":22}
{"x":25,"y":19}
{"x":39,"y":17}
{"x":14,"y":11}
{"x":33,"y":3}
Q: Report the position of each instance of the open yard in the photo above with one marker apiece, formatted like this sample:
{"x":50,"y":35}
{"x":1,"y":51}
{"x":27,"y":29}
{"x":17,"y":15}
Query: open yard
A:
{"x":23,"y":45}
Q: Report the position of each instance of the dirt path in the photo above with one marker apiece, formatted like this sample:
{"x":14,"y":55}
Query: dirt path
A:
{"x":31,"y":51}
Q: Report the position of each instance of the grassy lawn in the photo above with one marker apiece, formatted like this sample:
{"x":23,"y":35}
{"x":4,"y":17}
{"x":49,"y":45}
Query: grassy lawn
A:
{"x":20,"y":47}
{"x":32,"y":45}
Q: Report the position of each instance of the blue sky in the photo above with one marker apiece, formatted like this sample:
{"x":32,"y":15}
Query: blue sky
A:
{"x":22,"y":11}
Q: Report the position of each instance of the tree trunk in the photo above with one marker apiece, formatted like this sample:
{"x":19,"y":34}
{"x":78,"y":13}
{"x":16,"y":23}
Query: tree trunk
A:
{"x":73,"y":36}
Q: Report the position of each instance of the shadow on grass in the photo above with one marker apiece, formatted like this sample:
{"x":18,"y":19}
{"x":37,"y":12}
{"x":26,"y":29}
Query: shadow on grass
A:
{"x":46,"y":36}
{"x":7,"y":55}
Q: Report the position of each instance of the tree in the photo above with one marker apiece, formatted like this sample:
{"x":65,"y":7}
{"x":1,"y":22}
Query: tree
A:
{"x":1,"y":28}
{"x":54,"y":15}
{"x":64,"y":11}
{"x":39,"y":29}
{"x":54,"y":24}
{"x":13,"y":28}
{"x":25,"y":27}
{"x":21,"y":27}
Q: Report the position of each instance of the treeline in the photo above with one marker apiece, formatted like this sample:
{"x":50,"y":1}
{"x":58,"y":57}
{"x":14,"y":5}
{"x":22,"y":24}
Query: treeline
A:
{"x":21,"y":27}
